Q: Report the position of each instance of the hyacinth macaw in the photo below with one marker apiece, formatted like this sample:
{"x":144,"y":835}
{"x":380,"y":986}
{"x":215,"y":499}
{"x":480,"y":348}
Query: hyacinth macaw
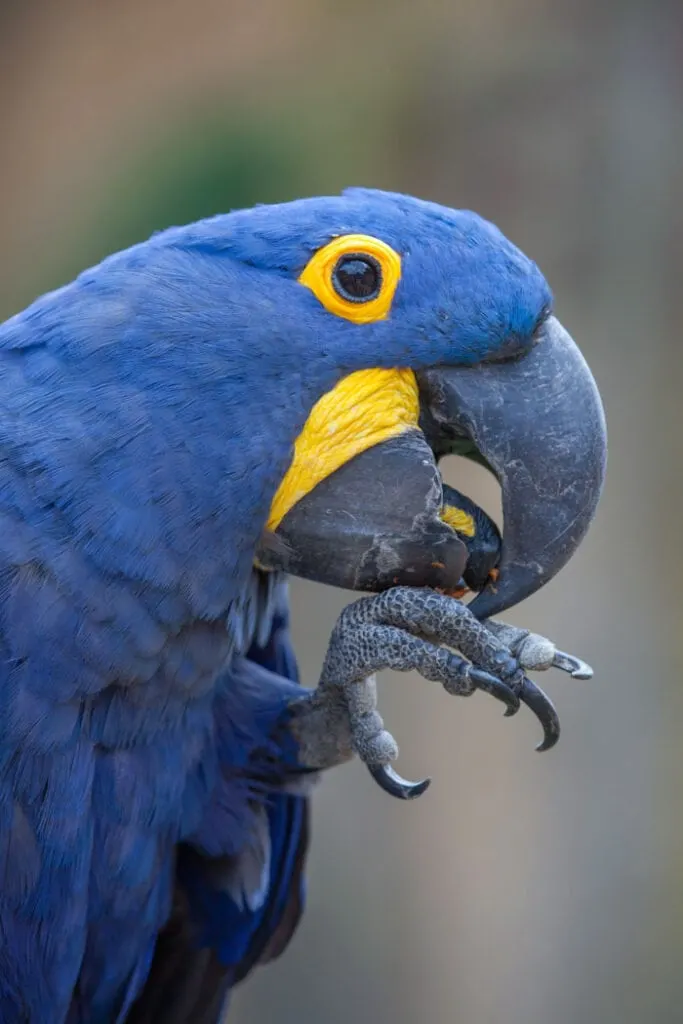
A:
{"x":258,"y":393}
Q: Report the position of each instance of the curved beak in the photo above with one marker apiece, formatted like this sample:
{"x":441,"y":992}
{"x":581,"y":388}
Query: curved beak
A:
{"x":538,"y":423}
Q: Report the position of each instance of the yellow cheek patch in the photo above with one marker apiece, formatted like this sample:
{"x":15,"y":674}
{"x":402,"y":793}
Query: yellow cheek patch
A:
{"x":364,"y":409}
{"x":459,"y":520}
{"x":318,"y":275}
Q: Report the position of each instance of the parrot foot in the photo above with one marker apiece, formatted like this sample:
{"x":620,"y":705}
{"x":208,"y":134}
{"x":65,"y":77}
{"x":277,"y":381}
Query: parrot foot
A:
{"x":411,"y":629}
{"x":407,"y":629}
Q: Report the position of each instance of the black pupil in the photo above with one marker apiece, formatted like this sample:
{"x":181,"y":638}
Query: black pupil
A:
{"x":357,"y":277}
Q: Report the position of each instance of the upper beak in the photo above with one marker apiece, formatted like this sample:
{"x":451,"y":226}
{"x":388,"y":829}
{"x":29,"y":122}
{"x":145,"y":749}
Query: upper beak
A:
{"x":539,"y":424}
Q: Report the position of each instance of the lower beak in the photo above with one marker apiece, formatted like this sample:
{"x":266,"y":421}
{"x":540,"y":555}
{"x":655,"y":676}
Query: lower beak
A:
{"x":538,"y":423}
{"x":373,"y":524}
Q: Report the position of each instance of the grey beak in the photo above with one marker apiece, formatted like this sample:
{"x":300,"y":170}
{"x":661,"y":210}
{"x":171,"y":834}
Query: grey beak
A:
{"x":539,"y":424}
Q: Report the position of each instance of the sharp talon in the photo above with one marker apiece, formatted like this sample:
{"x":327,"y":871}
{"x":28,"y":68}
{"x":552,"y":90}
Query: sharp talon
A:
{"x":541,"y":705}
{"x":392,"y":783}
{"x":484,"y":681}
{"x":568,"y":663}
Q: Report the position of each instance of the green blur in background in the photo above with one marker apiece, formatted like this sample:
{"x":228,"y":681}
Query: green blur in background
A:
{"x":523,"y":889}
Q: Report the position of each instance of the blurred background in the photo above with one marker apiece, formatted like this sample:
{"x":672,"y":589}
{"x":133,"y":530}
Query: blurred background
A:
{"x":522,"y":889}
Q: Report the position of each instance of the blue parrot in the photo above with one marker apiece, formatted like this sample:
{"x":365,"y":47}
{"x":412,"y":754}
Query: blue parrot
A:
{"x":156,"y":747}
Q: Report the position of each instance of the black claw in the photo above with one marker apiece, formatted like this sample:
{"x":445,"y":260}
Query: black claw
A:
{"x":392,"y":783}
{"x":484,"y":681}
{"x":568,"y":663}
{"x":541,"y":705}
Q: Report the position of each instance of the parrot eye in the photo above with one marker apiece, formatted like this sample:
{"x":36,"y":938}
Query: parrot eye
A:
{"x":357,"y":277}
{"x":354,"y":277}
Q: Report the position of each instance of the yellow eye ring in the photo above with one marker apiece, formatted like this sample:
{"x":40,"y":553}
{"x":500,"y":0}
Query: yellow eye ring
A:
{"x":354,"y":277}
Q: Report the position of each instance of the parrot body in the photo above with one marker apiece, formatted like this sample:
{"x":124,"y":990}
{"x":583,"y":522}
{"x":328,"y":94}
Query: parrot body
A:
{"x":148,"y":413}
{"x":238,"y":889}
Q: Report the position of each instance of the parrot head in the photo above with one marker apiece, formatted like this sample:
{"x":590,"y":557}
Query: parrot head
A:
{"x":295,"y":372}
{"x":441,"y":339}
